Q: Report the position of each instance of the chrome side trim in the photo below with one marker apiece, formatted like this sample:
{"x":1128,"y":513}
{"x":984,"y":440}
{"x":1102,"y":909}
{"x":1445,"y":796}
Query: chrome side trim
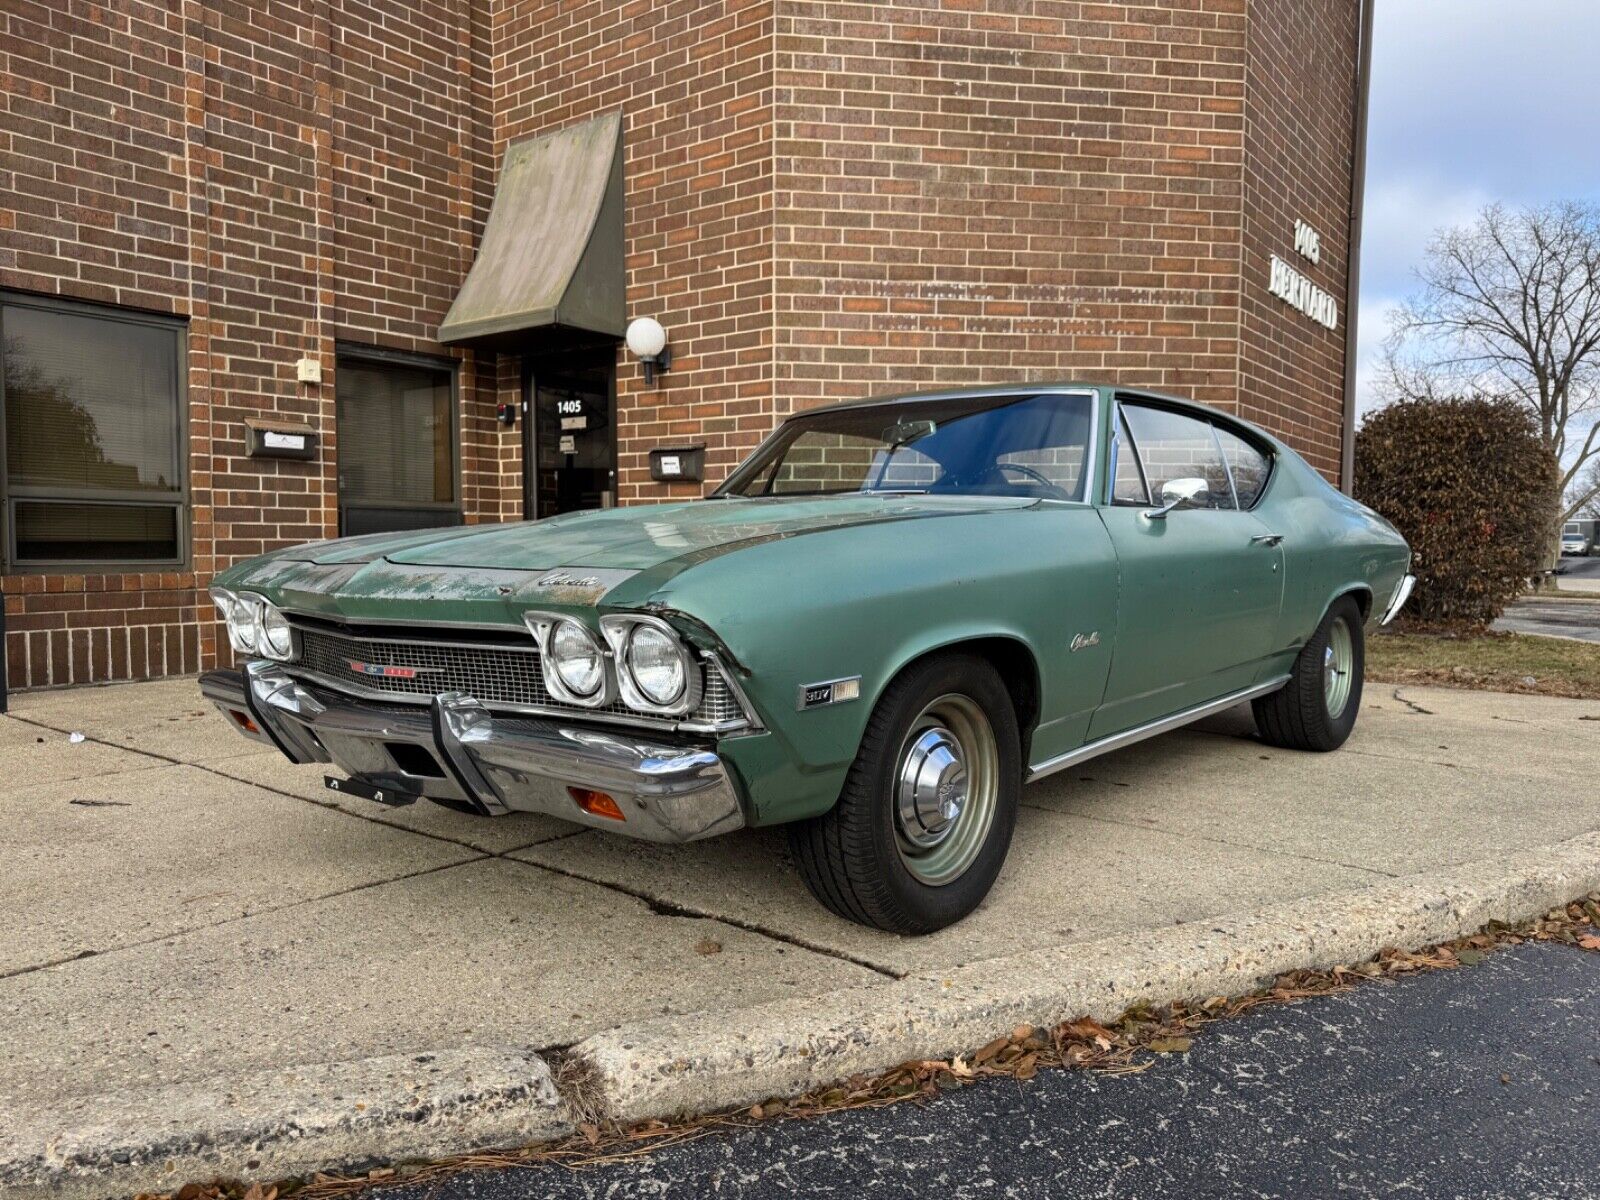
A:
{"x":1139,"y":733}
{"x":1402,"y":593}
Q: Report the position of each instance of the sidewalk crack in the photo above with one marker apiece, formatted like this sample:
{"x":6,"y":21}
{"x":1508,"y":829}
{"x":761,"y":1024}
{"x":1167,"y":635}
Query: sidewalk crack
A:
{"x":671,"y":908}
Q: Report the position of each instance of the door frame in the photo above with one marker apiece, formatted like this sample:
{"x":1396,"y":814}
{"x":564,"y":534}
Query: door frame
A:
{"x":532,"y":365}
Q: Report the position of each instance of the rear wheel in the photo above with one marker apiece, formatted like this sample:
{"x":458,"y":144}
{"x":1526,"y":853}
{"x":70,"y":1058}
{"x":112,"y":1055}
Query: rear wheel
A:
{"x":1316,"y":709}
{"x":925,"y":818}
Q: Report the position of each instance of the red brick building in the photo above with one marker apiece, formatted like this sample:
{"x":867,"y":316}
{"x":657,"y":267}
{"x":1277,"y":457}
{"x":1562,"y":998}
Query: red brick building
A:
{"x":230,"y":234}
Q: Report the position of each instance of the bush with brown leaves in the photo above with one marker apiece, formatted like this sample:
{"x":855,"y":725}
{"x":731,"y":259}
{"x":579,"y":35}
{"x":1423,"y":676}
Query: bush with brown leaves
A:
{"x":1473,"y":489}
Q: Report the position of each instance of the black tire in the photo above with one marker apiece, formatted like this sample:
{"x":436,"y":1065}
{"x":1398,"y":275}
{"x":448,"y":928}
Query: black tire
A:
{"x":1297,"y":716}
{"x":851,"y":857}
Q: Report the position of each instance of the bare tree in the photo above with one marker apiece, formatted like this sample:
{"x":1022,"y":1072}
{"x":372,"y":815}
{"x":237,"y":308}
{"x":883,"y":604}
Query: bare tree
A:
{"x":1510,"y":305}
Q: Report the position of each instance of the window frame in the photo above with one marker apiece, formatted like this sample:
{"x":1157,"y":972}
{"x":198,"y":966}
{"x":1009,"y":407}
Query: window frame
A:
{"x":1214,"y":423}
{"x":10,"y":563}
{"x":383,"y":356}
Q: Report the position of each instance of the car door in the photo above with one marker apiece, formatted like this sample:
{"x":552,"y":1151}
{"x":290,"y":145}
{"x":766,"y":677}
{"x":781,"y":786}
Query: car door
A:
{"x":1200,"y":585}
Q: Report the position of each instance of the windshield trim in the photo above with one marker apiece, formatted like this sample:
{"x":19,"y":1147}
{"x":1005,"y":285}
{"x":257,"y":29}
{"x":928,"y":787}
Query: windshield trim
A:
{"x":1091,"y":452}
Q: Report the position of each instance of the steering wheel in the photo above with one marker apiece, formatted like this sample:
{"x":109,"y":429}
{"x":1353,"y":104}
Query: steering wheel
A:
{"x":1055,"y":489}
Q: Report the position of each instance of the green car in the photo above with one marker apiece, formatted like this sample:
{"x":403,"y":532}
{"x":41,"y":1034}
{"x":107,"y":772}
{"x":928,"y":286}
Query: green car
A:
{"x":893,"y":615}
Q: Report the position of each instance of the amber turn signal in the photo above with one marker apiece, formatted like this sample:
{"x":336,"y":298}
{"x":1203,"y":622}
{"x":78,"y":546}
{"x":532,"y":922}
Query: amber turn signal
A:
{"x":245,"y":722}
{"x":597,"y":803}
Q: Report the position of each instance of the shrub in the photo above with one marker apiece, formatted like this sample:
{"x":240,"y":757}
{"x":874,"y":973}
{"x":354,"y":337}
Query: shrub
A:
{"x":1472,"y":488}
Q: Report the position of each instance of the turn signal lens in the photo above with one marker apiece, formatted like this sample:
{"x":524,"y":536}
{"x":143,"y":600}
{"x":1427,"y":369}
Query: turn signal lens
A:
{"x":596,"y":803}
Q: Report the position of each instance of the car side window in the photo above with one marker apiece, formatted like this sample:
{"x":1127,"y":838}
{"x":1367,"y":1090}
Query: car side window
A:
{"x":1176,"y":446}
{"x":1248,"y":466}
{"x":1127,"y":482}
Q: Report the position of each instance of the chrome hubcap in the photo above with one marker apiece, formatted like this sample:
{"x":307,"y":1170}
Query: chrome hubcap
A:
{"x":933,"y":787}
{"x":1338,"y":663}
{"x":946,"y":782}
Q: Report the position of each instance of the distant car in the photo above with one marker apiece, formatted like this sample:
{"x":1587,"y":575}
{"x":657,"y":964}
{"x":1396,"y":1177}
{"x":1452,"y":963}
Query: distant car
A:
{"x":889,"y":618}
{"x":1573,"y":543}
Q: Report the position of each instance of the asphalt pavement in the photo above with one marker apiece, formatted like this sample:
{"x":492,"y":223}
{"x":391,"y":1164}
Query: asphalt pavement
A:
{"x":1474,"y":1083}
{"x":1565,"y":618}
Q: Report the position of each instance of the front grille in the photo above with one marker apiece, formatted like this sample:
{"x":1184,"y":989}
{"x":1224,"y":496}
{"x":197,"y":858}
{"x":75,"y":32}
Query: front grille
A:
{"x":495,"y":673}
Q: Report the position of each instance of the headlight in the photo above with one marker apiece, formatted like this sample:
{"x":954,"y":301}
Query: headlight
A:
{"x":241,"y":619}
{"x":656,"y":665}
{"x":573,"y":664}
{"x":255,"y":625}
{"x":274,"y":638}
{"x":577,"y":659}
{"x":655,"y":671}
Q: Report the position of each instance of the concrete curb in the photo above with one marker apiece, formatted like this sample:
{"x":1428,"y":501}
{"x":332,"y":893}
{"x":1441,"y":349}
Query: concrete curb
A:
{"x":296,"y":1120}
{"x":282,"y":1123}
{"x":672,"y":1066}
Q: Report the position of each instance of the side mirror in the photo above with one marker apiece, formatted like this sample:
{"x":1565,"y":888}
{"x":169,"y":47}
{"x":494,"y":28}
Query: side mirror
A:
{"x":1188,"y":492}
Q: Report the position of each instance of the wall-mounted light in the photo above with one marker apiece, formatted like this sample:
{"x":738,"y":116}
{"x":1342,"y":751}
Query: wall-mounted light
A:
{"x":648,"y":342}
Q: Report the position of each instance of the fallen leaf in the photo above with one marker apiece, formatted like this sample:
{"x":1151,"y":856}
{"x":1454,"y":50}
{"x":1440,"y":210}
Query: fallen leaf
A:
{"x":591,"y":1133}
{"x":707,"y":947}
{"x":989,"y":1051}
{"x":1170,"y":1045}
{"x":1589,"y":942}
{"x":1470,"y":958}
{"x":1021,"y":1032}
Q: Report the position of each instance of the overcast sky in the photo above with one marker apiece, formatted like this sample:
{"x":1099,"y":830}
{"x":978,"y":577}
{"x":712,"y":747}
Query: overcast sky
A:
{"x":1472,"y":101}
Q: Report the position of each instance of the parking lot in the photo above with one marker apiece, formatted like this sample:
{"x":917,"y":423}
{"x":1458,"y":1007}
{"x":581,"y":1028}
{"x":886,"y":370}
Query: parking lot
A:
{"x":177,"y":905}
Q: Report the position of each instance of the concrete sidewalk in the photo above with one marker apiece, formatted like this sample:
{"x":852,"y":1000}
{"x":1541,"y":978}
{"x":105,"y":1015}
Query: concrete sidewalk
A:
{"x":179,"y":910}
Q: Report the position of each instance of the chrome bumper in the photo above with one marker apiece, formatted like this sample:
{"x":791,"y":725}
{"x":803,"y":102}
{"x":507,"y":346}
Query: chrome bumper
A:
{"x":455,"y":750}
{"x":1402,"y":593}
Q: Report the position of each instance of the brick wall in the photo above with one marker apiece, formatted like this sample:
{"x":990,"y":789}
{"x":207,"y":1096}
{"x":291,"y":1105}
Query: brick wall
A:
{"x":1299,"y":131}
{"x":971,"y":192}
{"x":282,"y":175}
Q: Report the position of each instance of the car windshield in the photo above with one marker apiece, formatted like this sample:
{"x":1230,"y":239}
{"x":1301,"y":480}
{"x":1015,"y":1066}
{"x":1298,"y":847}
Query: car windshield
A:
{"x":1031,"y":445}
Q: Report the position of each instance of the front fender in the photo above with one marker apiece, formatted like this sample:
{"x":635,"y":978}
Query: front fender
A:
{"x":866,"y":602}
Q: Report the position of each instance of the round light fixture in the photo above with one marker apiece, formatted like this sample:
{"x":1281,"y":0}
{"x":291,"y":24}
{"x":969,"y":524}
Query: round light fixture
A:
{"x":647,"y":341}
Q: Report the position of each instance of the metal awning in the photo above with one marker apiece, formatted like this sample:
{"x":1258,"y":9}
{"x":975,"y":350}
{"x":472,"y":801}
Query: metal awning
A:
{"x":549,"y":270}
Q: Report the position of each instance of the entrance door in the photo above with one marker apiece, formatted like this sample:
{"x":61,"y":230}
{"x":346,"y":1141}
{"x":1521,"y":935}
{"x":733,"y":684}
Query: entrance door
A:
{"x":569,"y":434}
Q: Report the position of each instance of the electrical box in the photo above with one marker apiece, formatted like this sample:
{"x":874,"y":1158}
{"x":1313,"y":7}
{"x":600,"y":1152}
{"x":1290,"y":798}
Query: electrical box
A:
{"x":308,"y":370}
{"x":678,"y":464}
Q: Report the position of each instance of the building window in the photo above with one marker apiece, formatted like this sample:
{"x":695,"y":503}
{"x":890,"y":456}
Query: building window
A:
{"x":93,"y":428}
{"x":397,"y":443}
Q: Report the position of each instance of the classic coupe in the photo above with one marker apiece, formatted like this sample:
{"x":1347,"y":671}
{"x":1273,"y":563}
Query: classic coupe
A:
{"x":894,"y":614}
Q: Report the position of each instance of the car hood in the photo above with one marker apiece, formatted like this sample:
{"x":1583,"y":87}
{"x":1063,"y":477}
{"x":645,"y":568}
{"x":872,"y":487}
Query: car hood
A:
{"x":578,"y":557}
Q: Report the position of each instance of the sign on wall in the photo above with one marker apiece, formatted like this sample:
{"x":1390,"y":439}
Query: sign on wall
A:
{"x":1292,"y":287}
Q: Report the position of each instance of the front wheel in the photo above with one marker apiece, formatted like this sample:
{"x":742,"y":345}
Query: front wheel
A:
{"x":925,"y":818}
{"x":1316,"y":709}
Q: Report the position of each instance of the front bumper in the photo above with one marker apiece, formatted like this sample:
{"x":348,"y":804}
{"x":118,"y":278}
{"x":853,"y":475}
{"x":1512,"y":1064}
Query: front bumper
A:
{"x":455,"y":750}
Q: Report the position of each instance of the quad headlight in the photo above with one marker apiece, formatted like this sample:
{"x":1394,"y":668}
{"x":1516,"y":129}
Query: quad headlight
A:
{"x":255,"y":624}
{"x":642,"y":661}
{"x":655,"y":671}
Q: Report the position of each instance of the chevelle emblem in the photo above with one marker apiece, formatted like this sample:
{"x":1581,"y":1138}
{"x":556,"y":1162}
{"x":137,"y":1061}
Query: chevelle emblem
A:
{"x":381,"y":671}
{"x":1080,"y":640}
{"x":562,"y":579}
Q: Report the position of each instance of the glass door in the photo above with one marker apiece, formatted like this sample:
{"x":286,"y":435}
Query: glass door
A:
{"x":570,"y":434}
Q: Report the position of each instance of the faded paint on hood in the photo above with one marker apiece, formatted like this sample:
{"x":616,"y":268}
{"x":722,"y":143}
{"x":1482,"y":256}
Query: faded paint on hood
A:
{"x":632,"y":539}
{"x":502,"y":567}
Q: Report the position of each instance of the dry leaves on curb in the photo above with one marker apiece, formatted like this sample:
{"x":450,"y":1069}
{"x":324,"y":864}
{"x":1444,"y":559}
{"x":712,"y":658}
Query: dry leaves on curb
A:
{"x":1125,"y":1046}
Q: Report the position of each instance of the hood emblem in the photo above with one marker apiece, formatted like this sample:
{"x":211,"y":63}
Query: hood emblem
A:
{"x":384,"y":671}
{"x":563,"y":579}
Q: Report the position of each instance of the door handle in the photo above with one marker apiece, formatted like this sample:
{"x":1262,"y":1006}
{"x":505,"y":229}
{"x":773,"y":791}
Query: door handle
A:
{"x":1266,"y":539}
